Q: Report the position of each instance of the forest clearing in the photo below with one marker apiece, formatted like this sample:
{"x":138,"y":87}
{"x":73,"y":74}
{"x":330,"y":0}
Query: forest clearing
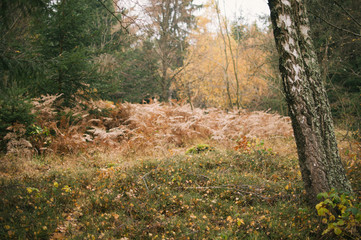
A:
{"x":157,"y":171}
{"x":172,"y":119}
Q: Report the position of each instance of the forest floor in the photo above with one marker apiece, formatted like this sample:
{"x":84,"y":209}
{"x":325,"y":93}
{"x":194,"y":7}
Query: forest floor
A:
{"x":201,"y":190}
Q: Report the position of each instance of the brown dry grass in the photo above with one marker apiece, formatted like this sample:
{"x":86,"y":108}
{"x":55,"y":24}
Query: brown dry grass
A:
{"x":145,"y":128}
{"x":153,"y":130}
{"x":131,"y":131}
{"x":161,"y":126}
{"x":102,"y":134}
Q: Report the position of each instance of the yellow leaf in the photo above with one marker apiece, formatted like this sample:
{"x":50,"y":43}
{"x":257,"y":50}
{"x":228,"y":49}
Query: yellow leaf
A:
{"x":322,"y":211}
{"x":229,"y":219}
{"x":66,"y":188}
{"x":337,"y":231}
{"x":240,"y":222}
{"x":318,"y":206}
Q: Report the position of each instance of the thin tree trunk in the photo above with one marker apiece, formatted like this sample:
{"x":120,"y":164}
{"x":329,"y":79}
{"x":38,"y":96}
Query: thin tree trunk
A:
{"x":225,"y":69}
{"x":164,"y":79}
{"x":234,"y":62}
{"x":309,"y":109}
{"x":61,"y":40}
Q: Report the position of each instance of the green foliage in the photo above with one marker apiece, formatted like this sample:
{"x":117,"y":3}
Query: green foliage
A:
{"x":18,"y":64}
{"x":15,"y":108}
{"x":64,"y":38}
{"x":139,"y":74}
{"x":200,"y":148}
{"x":341,"y":212}
{"x":42,"y":199}
{"x":339,"y":54}
{"x":77,"y":48}
{"x":211,"y":196}
{"x":239,"y":30}
{"x":74,"y":76}
{"x":39,"y":137}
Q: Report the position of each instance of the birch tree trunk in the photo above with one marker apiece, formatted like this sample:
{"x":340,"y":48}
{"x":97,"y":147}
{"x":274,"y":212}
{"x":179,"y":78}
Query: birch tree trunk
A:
{"x":309,"y":109}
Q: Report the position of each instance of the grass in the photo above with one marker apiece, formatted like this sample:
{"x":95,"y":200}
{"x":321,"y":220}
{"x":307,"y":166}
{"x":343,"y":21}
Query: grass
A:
{"x":252,"y":191}
{"x":216,"y":194}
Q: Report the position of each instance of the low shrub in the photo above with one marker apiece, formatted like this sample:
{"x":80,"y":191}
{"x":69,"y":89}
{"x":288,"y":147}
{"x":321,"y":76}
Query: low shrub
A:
{"x":342,"y":214}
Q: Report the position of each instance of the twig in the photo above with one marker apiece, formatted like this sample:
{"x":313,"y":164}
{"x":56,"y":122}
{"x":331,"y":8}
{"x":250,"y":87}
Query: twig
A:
{"x":337,"y":27}
{"x":144,"y":179}
{"x":209,"y":187}
{"x":126,"y":29}
{"x":229,"y":187}
{"x":353,"y":19}
{"x":145,"y":182}
{"x":346,"y":135}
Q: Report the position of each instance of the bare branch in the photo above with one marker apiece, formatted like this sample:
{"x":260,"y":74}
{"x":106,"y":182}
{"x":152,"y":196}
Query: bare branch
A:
{"x":121,"y":25}
{"x":333,"y":25}
{"x":347,"y":12}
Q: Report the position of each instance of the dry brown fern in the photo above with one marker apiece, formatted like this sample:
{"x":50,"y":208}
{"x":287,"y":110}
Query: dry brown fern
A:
{"x":154,"y":126}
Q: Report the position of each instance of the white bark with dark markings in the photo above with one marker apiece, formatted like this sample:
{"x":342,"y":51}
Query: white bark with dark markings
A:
{"x":312,"y":123}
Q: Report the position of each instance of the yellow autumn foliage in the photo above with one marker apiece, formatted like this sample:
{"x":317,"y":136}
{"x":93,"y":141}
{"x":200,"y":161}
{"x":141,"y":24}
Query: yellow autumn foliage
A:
{"x":208,"y":80}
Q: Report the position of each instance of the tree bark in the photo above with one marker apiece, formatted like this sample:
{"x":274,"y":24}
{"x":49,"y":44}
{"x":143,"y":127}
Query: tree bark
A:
{"x":307,"y":100}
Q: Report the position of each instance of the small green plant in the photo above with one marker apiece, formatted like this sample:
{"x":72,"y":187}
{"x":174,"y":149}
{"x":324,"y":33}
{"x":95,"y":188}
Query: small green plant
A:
{"x":199,"y":148}
{"x":341,"y":212}
{"x":40,"y":137}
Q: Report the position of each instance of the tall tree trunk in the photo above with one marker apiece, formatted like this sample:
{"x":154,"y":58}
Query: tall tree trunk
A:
{"x":225,"y":68}
{"x":309,"y":109}
{"x":234,"y":63}
{"x":61,"y":43}
{"x":164,"y":79}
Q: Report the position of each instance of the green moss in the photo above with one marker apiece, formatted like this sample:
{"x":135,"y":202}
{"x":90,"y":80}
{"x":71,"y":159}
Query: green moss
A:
{"x":199,"y":149}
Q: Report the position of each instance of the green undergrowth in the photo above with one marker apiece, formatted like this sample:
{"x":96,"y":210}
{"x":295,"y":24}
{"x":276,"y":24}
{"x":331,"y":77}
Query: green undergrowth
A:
{"x":211,"y":195}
